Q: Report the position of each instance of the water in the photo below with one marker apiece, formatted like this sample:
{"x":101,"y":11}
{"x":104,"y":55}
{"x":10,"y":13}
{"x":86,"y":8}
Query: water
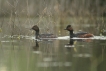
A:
{"x":25,"y":53}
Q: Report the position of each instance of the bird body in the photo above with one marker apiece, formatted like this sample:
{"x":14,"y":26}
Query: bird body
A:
{"x":79,"y":34}
{"x":36,"y":29}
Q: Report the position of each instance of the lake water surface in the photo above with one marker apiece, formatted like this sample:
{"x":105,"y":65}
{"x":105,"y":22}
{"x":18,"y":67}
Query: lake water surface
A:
{"x":25,"y":53}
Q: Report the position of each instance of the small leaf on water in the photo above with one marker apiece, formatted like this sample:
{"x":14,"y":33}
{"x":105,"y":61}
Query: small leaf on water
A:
{"x":59,"y":33}
{"x":75,"y":49}
{"x":75,"y":42}
{"x":101,"y":30}
{"x":101,"y":34}
{"x":18,"y":37}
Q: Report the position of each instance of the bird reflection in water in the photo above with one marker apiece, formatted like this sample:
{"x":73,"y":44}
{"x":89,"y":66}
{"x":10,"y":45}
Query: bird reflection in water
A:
{"x":71,"y":43}
{"x":36,"y":47}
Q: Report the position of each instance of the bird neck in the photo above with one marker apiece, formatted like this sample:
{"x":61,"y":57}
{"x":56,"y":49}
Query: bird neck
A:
{"x":37,"y":34}
{"x":71,"y":34}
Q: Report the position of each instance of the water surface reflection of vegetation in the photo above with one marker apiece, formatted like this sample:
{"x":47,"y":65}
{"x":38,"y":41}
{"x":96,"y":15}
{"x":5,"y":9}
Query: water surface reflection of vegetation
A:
{"x":27,"y":55}
{"x":20,"y":51}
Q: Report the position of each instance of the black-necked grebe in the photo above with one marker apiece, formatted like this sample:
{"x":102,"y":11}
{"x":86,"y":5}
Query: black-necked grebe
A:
{"x":79,"y":34}
{"x":36,"y":29}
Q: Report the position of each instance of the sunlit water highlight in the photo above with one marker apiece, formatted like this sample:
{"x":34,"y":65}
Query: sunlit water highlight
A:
{"x":58,"y":38}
